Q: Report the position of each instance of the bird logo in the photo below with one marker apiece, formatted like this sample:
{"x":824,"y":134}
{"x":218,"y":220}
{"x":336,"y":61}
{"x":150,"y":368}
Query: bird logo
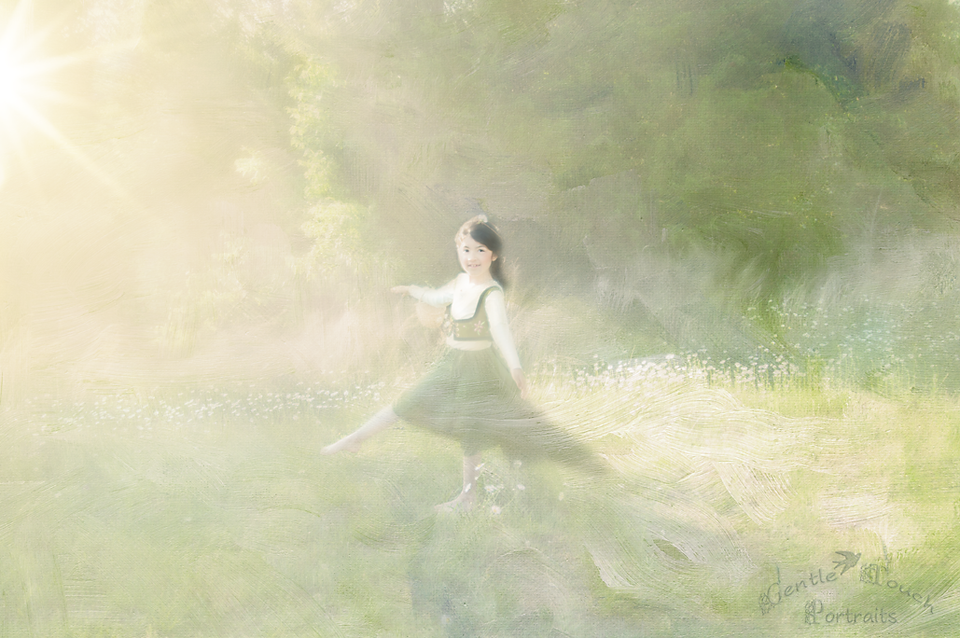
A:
{"x":849,"y":561}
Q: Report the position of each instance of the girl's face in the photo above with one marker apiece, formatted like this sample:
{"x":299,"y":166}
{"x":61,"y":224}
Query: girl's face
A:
{"x":475,"y":258}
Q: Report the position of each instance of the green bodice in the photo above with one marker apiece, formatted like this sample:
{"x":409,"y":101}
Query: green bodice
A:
{"x":476,"y":328}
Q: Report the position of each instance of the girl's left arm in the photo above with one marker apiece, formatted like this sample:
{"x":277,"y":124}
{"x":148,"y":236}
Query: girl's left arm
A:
{"x":500,"y":331}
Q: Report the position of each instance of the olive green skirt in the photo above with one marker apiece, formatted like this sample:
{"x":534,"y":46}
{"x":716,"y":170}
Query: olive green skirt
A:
{"x":470,"y":396}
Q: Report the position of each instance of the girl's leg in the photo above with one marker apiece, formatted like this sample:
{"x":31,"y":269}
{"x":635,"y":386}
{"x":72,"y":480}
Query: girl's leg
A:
{"x":468,"y":496}
{"x":352,"y":442}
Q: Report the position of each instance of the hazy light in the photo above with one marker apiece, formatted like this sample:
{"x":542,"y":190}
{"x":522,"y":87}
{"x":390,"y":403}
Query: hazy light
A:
{"x":28,"y":85}
{"x":11,"y":80}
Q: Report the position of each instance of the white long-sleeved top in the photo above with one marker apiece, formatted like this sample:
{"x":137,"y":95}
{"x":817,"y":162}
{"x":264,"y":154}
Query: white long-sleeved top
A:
{"x":462,"y":297}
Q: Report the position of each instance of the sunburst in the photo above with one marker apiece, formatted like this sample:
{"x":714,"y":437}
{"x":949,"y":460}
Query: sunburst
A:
{"x":28,"y":76}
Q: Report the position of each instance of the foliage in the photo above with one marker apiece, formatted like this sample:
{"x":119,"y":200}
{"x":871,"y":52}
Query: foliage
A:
{"x":772,"y":135}
{"x":765,"y":131}
{"x":310,"y":125}
{"x":336,"y":231}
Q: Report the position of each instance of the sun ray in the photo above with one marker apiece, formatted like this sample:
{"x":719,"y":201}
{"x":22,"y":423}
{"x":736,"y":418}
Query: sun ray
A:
{"x":27,"y":88}
{"x":51,"y":131}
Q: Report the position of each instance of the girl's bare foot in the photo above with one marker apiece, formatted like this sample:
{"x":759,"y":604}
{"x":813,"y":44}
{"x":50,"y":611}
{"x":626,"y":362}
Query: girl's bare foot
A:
{"x":463,"y":503}
{"x":346,"y":444}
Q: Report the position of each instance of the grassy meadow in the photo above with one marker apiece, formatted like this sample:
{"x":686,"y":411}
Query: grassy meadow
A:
{"x":207,"y":511}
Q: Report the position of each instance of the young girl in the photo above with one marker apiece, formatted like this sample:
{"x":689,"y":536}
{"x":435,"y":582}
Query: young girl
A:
{"x":476,"y":392}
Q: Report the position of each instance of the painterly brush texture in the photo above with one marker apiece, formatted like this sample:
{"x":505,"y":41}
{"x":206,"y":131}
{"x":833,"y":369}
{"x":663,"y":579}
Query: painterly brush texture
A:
{"x":730,"y":269}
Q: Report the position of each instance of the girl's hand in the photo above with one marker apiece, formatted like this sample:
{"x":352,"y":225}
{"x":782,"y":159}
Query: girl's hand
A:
{"x":521,"y":381}
{"x":401,"y":290}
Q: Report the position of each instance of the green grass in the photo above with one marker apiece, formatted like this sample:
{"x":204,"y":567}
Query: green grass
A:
{"x":210,"y":513}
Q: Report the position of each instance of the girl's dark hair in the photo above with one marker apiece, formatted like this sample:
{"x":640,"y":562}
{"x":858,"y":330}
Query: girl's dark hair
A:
{"x":482,"y":232}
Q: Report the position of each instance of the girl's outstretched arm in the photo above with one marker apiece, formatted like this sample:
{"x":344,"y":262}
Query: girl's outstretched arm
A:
{"x":433,"y":296}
